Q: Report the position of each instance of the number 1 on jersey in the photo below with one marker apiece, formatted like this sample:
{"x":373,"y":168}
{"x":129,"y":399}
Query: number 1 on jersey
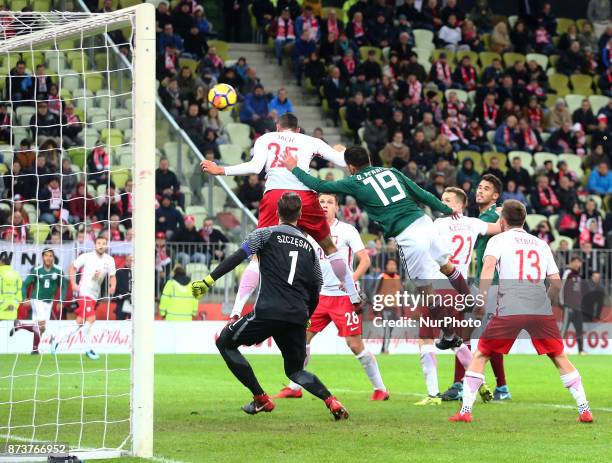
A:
{"x":294,"y":256}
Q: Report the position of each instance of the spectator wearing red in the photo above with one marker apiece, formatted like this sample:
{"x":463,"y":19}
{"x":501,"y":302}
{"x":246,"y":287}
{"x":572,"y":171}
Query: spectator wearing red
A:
{"x":81,"y":205}
{"x":527,"y":139}
{"x":543,"y":199}
{"x":465,"y":76}
{"x":16,"y":230}
{"x":488,"y":113}
{"x":356,"y":30}
{"x":283,"y":31}
{"x":351,"y":212}
{"x":441,"y":73}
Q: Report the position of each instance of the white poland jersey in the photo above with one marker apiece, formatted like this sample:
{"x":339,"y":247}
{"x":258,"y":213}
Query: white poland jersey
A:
{"x":461,"y":234}
{"x":523,"y":263}
{"x":347,"y":240}
{"x":94,"y":269}
{"x":269,"y":151}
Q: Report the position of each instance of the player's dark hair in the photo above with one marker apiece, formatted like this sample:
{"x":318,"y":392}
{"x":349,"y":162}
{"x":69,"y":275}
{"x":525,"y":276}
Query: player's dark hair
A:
{"x":514,"y":213}
{"x":289,"y":207}
{"x":493,"y":180}
{"x":357,"y":156}
{"x":288,"y":121}
{"x":101,"y":237}
{"x":459,"y":193}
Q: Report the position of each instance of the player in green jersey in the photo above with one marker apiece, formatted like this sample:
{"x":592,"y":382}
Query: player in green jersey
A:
{"x":392,"y":200}
{"x":487,"y":194}
{"x":45,"y":280}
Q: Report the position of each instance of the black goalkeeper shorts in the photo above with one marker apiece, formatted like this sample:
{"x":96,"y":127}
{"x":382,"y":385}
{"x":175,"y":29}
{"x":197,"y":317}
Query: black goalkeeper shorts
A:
{"x":248,"y":330}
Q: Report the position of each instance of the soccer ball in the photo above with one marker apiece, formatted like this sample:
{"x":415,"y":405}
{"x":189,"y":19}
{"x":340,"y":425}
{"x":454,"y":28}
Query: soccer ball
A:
{"x":222,"y":96}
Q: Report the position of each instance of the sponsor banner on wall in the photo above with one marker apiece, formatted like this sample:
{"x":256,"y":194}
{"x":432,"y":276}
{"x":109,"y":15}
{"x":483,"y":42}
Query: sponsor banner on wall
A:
{"x":199,"y":338}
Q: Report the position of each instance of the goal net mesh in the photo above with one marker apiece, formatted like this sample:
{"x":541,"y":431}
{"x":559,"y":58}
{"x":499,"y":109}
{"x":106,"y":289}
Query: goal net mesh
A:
{"x":66,"y":114}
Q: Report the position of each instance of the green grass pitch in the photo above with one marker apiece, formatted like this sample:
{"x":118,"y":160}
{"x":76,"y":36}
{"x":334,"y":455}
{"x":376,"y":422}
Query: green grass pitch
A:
{"x":198,"y":416}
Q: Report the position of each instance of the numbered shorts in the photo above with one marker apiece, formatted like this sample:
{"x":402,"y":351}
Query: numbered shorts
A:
{"x":501,"y":332}
{"x":86,"y":307}
{"x":421,"y":253}
{"x":312,"y":221}
{"x":41,"y":310}
{"x":340,"y":311}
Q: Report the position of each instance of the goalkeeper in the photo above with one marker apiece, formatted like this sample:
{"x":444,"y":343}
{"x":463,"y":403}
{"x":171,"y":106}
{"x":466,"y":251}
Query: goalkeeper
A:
{"x":288,"y":295}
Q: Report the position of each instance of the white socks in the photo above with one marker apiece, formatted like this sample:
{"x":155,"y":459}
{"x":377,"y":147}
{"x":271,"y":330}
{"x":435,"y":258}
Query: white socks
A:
{"x":471,"y":383}
{"x":248,"y":283}
{"x":370,"y":365}
{"x":573,"y":382}
{"x":430,"y":369}
{"x":88,"y":327}
{"x":464,"y":355}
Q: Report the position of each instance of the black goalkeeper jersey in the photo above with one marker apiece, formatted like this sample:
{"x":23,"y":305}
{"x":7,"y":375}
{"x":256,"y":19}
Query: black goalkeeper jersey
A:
{"x":290,"y":274}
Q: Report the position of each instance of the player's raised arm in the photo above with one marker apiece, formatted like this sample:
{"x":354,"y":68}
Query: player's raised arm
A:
{"x":254,"y":166}
{"x":333,"y":154}
{"x":422,"y":196}
{"x":316,"y":184}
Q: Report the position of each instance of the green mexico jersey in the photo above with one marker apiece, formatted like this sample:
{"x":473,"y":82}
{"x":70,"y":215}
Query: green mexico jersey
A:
{"x":389,"y":197}
{"x":45,"y":283}
{"x":489,"y":216}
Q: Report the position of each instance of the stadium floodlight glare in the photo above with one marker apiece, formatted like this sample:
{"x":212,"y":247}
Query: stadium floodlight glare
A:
{"x":111,"y":83}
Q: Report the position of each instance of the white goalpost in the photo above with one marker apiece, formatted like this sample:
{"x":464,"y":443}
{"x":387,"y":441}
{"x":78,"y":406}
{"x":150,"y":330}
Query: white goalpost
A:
{"x":99,"y":408}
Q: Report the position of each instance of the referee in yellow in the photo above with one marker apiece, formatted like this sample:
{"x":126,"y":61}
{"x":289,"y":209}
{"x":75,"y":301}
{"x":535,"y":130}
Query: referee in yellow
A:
{"x":10,"y":289}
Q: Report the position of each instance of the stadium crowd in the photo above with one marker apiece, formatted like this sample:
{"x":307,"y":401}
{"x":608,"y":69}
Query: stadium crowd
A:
{"x":490,"y":93}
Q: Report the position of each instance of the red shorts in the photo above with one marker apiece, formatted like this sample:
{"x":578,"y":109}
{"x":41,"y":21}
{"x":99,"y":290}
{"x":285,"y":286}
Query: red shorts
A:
{"x":501,"y":332}
{"x":427,"y":316}
{"x":86,"y":307}
{"x":337,"y":309}
{"x":312,"y":221}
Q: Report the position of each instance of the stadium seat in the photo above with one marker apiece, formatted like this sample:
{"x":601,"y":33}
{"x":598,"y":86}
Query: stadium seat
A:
{"x":196,"y":271}
{"x":553,"y":60}
{"x":24,"y":114}
{"x":55,"y":61}
{"x":558,"y":82}
{"x":533,"y":220}
{"x":542,"y":60}
{"x":542,"y":157}
{"x":199,"y":212}
{"x":98,"y":122}
{"x":423,"y":53}
{"x":360,"y":132}
{"x":122,"y":119}
{"x":450,"y":55}
{"x":581,"y":81}
{"x":598,"y":102}
{"x":70,"y":80}
{"x":563,"y":24}
{"x":111,"y":137}
{"x":219,"y":199}
{"x":231,"y":154}
{"x":574,"y":162}
{"x":345,"y":129}
{"x":95,"y":112}
{"x":573,"y":102}
{"x":39,"y":232}
{"x":526,"y":159}
{"x":422,"y":38}
{"x":471,"y":54}
{"x":171,"y":151}
{"x":120,"y":177}
{"x":239,"y":134}
{"x":226,"y":117}
{"x":473,"y":155}
{"x":18,"y":5}
{"x":106,"y":99}
{"x":3,"y":169}
{"x":125,"y":160}
{"x":94,"y":82}
{"x":486,"y":159}
{"x":222,"y":48}
{"x":597,"y":200}
{"x":190,"y":63}
{"x":33,"y":59}
{"x":510,"y":58}
{"x":363,"y":53}
{"x":83,"y":98}
{"x":555,"y":244}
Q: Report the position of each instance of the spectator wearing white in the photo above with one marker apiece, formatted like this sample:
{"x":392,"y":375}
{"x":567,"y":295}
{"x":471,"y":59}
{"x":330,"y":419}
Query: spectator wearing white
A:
{"x":284,"y":34}
{"x":280,"y":103}
{"x":450,"y":35}
{"x":598,"y":13}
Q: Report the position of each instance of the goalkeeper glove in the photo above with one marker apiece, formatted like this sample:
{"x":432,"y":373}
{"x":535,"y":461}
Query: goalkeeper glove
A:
{"x":201,"y":287}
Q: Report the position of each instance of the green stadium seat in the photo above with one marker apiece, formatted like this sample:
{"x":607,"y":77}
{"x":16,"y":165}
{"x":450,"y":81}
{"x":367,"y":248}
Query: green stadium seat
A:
{"x":83,"y":98}
{"x":112,"y":137}
{"x":510,"y":58}
{"x":18,"y":5}
{"x":363,"y":53}
{"x":472,"y":54}
{"x":39,"y":232}
{"x":239,"y":134}
{"x":70,"y":80}
{"x":120,"y":177}
{"x":450,"y":55}
{"x":581,"y":80}
{"x":487,"y":57}
{"x":541,"y":157}
{"x":473,"y":155}
{"x":33,"y":59}
{"x":533,"y":220}
{"x":553,"y":60}
{"x":94,"y":82}
{"x":559,"y":82}
{"x":122,"y":119}
{"x":573,"y":102}
{"x":486,"y":159}
{"x":345,"y":129}
{"x":424,"y":54}
{"x":221,"y":47}
{"x":194,"y":270}
{"x":557,"y":242}
{"x":231,"y":154}
{"x":24,"y":113}
{"x":574,"y":162}
{"x":542,"y":60}
{"x":580,"y":23}
{"x":563,"y":25}
{"x":598,"y":102}
{"x":597,"y":200}
{"x":106,"y":99}
{"x":95,"y":112}
{"x":191,"y":64}
{"x":422,"y":37}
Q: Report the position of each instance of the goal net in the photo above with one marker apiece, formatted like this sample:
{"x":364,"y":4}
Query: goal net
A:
{"x":77,"y":153}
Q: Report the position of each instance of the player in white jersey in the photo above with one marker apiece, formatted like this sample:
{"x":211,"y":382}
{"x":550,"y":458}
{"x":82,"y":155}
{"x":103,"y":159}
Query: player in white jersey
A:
{"x":94,"y":267}
{"x":523,"y":262}
{"x":334,"y":303}
{"x":459,"y":233}
{"x":268,"y":154}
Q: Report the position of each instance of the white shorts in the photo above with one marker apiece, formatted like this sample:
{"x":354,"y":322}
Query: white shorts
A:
{"x":41,"y":310}
{"x":490,"y":308}
{"x":417,"y":246}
